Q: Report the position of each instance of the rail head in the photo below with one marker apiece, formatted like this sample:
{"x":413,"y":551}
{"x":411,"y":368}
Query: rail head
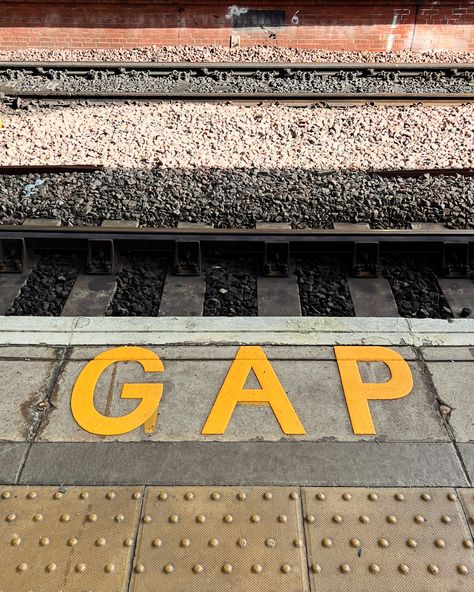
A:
{"x":206,"y":234}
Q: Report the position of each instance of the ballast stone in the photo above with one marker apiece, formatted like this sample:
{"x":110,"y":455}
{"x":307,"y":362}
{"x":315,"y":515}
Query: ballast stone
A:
{"x":303,"y":198}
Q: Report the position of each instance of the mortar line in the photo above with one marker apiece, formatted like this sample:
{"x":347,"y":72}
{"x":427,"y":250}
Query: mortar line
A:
{"x":449,"y":429}
{"x":306,"y":536}
{"x":464,"y":510}
{"x":135,"y":539}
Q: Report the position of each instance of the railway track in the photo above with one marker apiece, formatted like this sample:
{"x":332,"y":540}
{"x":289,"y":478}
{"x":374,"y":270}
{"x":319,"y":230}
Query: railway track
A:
{"x":247,"y":82}
{"x":275,"y":271}
{"x":90,"y":168}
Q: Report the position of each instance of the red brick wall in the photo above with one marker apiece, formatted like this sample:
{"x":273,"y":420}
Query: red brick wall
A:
{"x":321,"y":24}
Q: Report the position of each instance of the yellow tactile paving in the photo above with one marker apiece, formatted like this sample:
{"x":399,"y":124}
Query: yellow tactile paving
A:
{"x":221,"y":539}
{"x":67,"y":540}
{"x":218,"y":539}
{"x":467,"y":499}
{"x":413,"y":540}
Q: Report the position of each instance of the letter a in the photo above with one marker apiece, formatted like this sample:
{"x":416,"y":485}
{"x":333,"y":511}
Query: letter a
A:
{"x":233,"y":392}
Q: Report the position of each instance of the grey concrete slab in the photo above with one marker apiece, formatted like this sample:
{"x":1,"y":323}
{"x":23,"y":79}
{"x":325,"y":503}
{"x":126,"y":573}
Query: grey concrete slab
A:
{"x":459,"y":293}
{"x":278,"y":297}
{"x":372,"y":297}
{"x":245,"y":463}
{"x":448,"y":354}
{"x":227,"y":352}
{"x":11,"y":456}
{"x":191,"y":386}
{"x":183,"y":296}
{"x":224,"y":352}
{"x":454,"y":386}
{"x":10,"y":286}
{"x":23,"y":384}
{"x":30,"y":352}
{"x":90,"y":296}
{"x":467,"y":454}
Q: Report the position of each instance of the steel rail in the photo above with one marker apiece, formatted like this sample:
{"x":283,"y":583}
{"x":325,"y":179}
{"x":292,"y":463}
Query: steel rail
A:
{"x":71,"y":168}
{"x":249,"y":235}
{"x":235,"y":66}
{"x":49,"y":168}
{"x":283,"y":70}
{"x":103,"y":246}
{"x":255,"y":97}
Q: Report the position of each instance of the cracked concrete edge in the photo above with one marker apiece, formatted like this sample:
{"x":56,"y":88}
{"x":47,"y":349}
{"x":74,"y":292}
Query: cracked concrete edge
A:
{"x":226,"y":330}
{"x":424,"y":368}
{"x":466,"y":451}
{"x":41,"y":414}
{"x":466,"y":507}
{"x":12,"y":457}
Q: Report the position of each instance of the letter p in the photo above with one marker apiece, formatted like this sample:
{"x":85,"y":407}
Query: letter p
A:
{"x":358,"y":393}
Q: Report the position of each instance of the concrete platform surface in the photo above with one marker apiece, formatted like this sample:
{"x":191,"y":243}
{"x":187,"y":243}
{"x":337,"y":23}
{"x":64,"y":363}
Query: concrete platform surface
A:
{"x":287,"y":401}
{"x":235,"y":539}
{"x":236,"y":454}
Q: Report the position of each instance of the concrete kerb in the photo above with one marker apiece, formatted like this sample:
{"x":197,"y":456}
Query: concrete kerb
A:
{"x":427,"y":464}
{"x":225,"y":330}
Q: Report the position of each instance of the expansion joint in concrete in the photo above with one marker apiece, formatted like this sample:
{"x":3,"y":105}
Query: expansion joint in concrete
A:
{"x":43,"y":407}
{"x":440,"y":402}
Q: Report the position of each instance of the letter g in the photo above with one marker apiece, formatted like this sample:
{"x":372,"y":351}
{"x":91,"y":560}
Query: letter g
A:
{"x":82,"y":398}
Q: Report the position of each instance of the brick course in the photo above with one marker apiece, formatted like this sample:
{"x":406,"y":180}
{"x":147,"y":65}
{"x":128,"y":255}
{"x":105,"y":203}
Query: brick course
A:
{"x":355,"y":25}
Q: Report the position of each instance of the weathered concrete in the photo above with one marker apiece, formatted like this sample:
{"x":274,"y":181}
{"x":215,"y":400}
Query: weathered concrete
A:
{"x":448,"y":354}
{"x":183,"y":296}
{"x":372,"y":298}
{"x":467,"y":454}
{"x":278,"y":296}
{"x":412,"y":446}
{"x":90,"y":295}
{"x":226,"y":330}
{"x":454,"y":386}
{"x":459,"y":293}
{"x":245,"y":463}
{"x":10,"y":286}
{"x":25,"y":381}
{"x":191,"y":386}
{"x":227,"y":352}
{"x":11,"y":455}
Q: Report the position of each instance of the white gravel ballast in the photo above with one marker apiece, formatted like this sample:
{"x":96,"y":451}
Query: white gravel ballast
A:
{"x":224,"y":136}
{"x":256,"y":53}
